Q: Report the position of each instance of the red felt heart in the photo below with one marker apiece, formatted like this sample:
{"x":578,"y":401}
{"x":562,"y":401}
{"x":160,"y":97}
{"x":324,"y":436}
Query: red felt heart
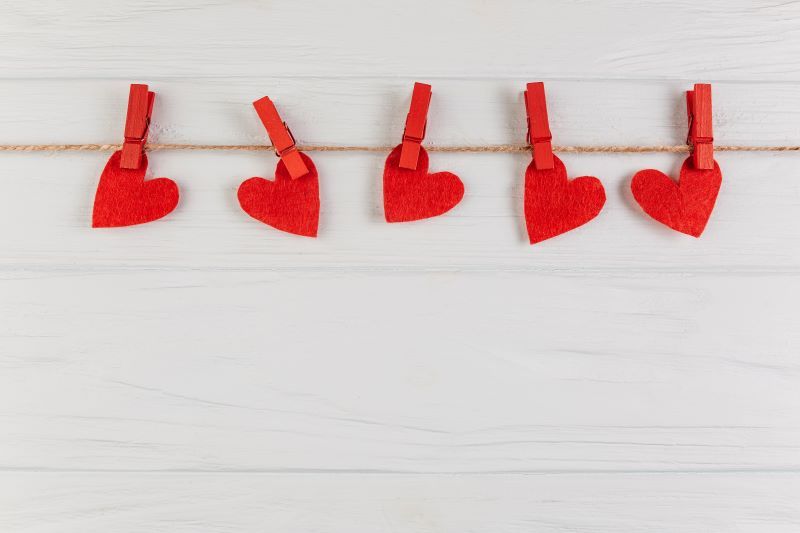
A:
{"x":125,"y":198}
{"x":555,"y":204}
{"x":287,"y":204}
{"x":414,"y":194}
{"x":684,"y":206}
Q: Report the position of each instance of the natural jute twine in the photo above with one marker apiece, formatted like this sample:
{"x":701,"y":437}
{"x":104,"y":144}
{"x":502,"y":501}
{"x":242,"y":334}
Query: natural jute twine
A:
{"x":497,"y":148}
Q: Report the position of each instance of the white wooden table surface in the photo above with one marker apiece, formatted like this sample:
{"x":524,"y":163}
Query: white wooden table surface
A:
{"x":206,"y":373}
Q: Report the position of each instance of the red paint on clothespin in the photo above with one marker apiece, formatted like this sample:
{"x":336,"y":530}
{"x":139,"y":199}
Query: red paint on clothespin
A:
{"x":701,"y":131}
{"x":281,"y":137}
{"x":539,"y":135}
{"x":416,"y":122}
{"x":137,"y":125}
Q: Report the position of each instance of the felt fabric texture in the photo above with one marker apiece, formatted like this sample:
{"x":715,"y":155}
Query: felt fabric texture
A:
{"x":684,"y":206}
{"x":555,"y":204}
{"x":290,"y":205}
{"x":125,"y":198}
{"x":415,"y":194}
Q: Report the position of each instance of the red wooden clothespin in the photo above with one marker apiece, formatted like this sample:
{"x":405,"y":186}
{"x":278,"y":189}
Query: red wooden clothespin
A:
{"x":137,"y":125}
{"x":539,"y":135}
{"x":281,"y":137}
{"x":416,"y":122}
{"x":701,"y":131}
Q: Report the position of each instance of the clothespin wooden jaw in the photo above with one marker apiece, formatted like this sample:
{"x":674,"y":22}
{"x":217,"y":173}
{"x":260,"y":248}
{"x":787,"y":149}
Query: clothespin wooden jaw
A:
{"x":539,"y":135}
{"x":416,"y":125}
{"x":701,"y":131}
{"x":281,"y":138}
{"x":137,"y":125}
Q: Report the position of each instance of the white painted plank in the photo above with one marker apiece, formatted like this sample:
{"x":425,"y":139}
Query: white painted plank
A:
{"x":129,"y":503}
{"x":752,"y":229}
{"x":372,"y":111}
{"x":232,"y":370}
{"x":46,"y":204}
{"x":717,"y":39}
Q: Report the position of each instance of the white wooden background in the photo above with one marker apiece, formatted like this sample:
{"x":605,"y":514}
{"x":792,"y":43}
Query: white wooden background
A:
{"x":206,"y":373}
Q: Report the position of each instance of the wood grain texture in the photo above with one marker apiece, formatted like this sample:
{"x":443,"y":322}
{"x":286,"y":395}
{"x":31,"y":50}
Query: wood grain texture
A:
{"x":372,"y":111}
{"x":553,"y":503}
{"x":578,"y":39}
{"x":208,"y":230}
{"x":208,"y":373}
{"x":231,"y":370}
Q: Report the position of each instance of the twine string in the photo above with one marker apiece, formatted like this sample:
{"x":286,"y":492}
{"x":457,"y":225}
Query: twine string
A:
{"x":496,"y":148}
